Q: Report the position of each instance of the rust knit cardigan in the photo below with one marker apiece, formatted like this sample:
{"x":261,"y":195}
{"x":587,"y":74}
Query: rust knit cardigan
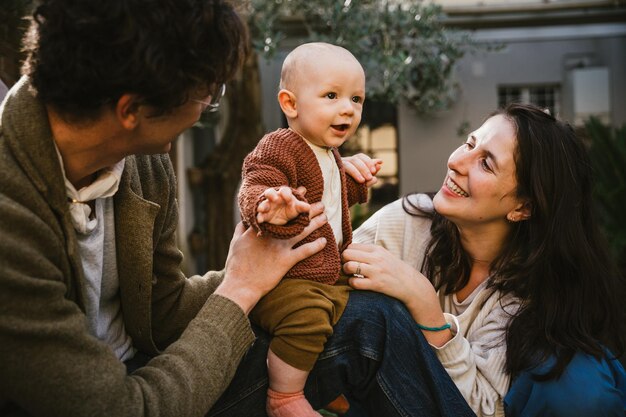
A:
{"x":283,"y":158}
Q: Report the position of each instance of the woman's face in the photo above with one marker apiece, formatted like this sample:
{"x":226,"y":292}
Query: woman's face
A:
{"x":479,"y":188}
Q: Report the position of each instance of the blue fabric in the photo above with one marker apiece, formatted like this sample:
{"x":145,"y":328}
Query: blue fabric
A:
{"x":376,"y":356}
{"x":587,"y":388}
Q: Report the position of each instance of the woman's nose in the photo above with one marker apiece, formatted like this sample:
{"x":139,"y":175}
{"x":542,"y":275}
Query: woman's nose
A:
{"x":458,"y":160}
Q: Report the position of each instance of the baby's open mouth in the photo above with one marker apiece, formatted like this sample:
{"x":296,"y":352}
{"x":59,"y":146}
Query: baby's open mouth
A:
{"x":341,"y":127}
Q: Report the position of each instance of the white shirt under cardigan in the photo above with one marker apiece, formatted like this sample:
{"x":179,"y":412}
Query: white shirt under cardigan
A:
{"x":96,"y":245}
{"x":331,"y":196}
{"x":474,"y":358}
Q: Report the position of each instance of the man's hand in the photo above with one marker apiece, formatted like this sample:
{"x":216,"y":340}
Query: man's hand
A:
{"x":256,"y":264}
{"x":362,"y":168}
{"x":280,"y":206}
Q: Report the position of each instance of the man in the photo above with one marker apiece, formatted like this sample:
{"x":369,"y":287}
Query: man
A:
{"x":89,"y":270}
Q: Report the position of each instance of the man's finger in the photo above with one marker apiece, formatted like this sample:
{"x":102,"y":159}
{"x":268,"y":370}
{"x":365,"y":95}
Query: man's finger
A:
{"x":308,"y":249}
{"x":313,"y":225}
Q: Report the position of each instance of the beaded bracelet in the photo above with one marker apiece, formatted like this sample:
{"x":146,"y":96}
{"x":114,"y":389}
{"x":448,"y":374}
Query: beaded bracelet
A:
{"x":434,"y":329}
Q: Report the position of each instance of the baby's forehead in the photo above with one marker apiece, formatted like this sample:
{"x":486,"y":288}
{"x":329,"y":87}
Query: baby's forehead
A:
{"x":315,"y":57}
{"x":318,"y":54}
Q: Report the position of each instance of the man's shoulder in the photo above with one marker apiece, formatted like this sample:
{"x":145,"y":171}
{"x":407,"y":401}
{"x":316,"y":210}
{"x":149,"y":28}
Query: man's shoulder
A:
{"x":148,"y":166}
{"x":149,"y":174}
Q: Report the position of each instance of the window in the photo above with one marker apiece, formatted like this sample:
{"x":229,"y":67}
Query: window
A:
{"x":376,"y":137}
{"x":543,"y":95}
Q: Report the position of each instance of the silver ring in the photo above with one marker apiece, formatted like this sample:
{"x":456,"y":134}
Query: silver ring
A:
{"x":357,"y":273}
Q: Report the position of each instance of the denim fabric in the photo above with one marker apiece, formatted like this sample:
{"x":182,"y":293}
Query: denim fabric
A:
{"x":587,"y":388}
{"x":377,"y":355}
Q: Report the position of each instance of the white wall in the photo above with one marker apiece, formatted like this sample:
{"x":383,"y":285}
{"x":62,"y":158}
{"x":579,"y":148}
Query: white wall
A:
{"x":532,"y":56}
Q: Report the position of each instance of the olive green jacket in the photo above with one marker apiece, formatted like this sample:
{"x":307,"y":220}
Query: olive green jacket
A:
{"x":49,"y":364}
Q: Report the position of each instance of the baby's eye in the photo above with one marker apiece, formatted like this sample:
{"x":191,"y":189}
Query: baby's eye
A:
{"x":357,"y":99}
{"x":331,"y":96}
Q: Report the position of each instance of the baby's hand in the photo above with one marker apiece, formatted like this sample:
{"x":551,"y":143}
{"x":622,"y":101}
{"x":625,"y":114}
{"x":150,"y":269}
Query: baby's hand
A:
{"x":280,"y":206}
{"x":362,"y":168}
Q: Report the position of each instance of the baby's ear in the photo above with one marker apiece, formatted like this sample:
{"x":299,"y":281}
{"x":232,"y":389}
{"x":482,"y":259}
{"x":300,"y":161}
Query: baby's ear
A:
{"x":287,"y":101}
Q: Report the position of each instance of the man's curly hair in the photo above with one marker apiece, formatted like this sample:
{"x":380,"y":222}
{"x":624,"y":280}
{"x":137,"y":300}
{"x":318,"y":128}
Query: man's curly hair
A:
{"x":83,"y":54}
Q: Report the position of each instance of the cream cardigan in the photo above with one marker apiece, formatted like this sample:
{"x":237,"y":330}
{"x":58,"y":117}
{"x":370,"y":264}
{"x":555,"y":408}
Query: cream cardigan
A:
{"x":475,"y":356}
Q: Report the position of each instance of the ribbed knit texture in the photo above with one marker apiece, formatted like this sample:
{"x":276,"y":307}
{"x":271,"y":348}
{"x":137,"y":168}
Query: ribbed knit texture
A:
{"x":283,"y":158}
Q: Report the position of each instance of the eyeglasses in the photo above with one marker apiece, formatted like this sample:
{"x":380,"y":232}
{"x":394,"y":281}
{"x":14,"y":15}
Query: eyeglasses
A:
{"x":214,"y":103}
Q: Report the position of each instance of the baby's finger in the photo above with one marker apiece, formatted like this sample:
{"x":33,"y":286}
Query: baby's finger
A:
{"x":271,"y":195}
{"x":371,"y":182}
{"x":263,"y":207}
{"x":316,"y":209}
{"x":353,"y":171}
{"x":377,"y":164}
{"x":302,"y":207}
{"x":301,"y":190}
{"x":362,"y":165}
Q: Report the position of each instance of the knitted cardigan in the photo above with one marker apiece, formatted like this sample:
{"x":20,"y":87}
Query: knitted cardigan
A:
{"x":283,"y":158}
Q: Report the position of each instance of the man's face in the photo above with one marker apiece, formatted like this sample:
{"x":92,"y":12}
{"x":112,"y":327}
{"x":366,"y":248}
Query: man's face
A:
{"x":156,"y":133}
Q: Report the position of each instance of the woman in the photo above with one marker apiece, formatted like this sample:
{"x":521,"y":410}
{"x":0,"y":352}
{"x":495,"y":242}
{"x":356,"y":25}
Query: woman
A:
{"x":505,"y":272}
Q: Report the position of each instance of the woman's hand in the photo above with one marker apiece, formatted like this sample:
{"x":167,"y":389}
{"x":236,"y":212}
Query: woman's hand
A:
{"x":383,"y":272}
{"x":362,"y":168}
{"x":256,"y":264}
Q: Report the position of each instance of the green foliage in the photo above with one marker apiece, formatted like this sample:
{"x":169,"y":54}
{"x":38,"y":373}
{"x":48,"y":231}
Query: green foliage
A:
{"x":608,"y":155}
{"x":406,"y":51}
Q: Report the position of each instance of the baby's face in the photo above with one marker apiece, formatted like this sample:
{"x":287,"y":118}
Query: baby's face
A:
{"x":329,"y":97}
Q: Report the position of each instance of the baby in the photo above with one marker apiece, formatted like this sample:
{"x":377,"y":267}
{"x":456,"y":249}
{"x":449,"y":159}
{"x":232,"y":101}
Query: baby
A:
{"x":322,"y":89}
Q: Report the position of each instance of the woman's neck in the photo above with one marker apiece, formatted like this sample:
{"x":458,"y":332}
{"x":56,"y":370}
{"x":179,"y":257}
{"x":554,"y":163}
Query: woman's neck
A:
{"x":482,"y":246}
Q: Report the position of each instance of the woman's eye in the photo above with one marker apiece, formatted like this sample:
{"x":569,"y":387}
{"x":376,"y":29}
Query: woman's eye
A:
{"x":331,"y":96}
{"x":485,"y":165}
{"x":469,"y":144}
{"x":357,"y":99}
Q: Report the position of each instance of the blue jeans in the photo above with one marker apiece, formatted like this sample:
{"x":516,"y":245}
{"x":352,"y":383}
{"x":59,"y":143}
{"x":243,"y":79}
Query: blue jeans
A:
{"x":587,"y":388}
{"x":377,"y":356}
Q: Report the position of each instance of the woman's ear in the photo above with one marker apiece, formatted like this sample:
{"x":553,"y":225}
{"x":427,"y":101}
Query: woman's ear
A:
{"x":127,"y":111}
{"x":287,"y":101}
{"x":521,"y":212}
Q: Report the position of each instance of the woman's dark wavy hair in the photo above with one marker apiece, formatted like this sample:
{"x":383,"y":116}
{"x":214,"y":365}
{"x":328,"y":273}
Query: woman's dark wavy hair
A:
{"x":556,"y":262}
{"x":82,"y":54}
